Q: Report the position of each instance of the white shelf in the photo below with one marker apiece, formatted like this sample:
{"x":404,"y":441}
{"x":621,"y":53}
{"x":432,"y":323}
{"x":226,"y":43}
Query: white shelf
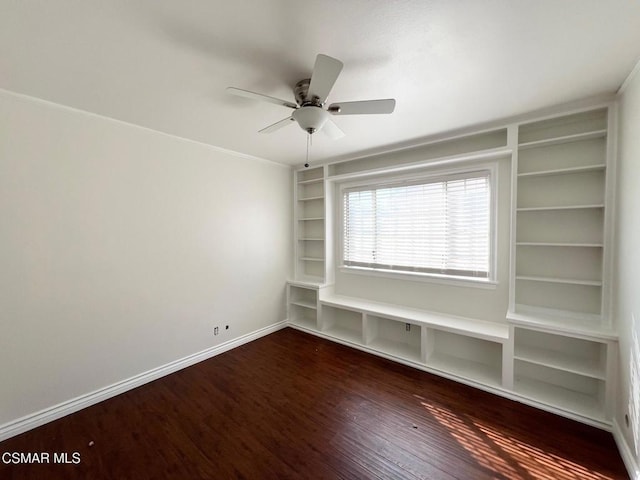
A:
{"x":563,"y":171}
{"x":307,"y":182}
{"x":563,"y":139}
{"x":559,"y":360}
{"x":304,"y":303}
{"x":569,"y":400}
{"x":311,"y":239}
{"x":566,"y":207}
{"x":396,"y":349}
{"x":308,"y":199}
{"x":460,"y":367}
{"x":571,"y":281}
{"x":578,"y":325}
{"x":310,"y":219}
{"x":305,"y":322}
{"x":307,"y":281}
{"x":345,"y":334}
{"x":312,"y":259}
{"x":559,"y":244}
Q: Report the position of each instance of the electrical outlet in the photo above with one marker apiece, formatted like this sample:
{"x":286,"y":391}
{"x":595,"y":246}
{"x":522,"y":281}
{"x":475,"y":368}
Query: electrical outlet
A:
{"x":215,"y":330}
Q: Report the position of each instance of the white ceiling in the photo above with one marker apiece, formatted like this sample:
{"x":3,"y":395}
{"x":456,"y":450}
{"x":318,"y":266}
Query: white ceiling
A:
{"x":164,"y":64}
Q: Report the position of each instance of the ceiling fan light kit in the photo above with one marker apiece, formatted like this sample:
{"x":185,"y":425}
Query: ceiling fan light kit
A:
{"x":311,"y":94}
{"x":311,"y":118}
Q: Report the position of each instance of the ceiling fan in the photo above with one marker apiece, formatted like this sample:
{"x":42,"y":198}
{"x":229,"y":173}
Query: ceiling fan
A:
{"x":311,"y":94}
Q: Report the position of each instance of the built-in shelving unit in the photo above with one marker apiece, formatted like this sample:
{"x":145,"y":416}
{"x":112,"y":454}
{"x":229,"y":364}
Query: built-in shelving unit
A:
{"x":560,"y":202}
{"x":563,"y":345}
{"x":309,"y":228}
{"x":302,"y":305}
{"x":565,"y":371}
{"x":556,"y":348}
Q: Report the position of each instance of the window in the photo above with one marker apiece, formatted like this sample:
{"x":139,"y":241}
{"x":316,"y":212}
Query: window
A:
{"x":438,"y":226}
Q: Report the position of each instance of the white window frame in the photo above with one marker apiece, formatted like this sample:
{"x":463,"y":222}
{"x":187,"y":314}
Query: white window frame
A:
{"x":430,"y":175}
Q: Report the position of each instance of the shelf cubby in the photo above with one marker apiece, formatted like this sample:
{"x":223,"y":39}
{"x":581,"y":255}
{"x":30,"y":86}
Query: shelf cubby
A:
{"x":396,"y":338}
{"x":311,"y":229}
{"x":467,"y":357}
{"x":576,"y":393}
{"x":574,"y":355}
{"x":573,"y":188}
{"x":342,"y":324}
{"x":310,"y":190}
{"x":303,"y":306}
{"x":580,"y":227}
{"x":564,"y":129}
{"x":584,"y":154}
{"x":310,"y":175}
{"x":311,"y":208}
{"x":572,"y":297}
{"x":582,"y":263}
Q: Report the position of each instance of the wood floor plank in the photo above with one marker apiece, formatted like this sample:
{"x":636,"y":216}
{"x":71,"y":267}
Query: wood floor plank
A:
{"x":294,"y":406}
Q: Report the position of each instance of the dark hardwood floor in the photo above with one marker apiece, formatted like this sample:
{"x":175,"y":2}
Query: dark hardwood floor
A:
{"x":291,"y":405}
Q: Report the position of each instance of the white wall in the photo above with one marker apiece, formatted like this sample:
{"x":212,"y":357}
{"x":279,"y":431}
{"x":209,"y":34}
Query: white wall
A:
{"x":627,"y":263}
{"x":121,"y":248}
{"x":473,"y":302}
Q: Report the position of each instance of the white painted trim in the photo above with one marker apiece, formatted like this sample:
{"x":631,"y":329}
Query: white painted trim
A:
{"x":60,"y":106}
{"x":625,"y":452}
{"x":634,"y":71}
{"x":54,"y":412}
{"x":420,"y":277}
{"x":460,"y":165}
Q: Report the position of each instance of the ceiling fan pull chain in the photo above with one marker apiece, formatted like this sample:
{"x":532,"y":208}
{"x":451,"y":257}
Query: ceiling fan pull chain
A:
{"x":308,"y":144}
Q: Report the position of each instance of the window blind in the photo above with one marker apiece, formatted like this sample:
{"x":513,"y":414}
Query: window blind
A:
{"x":432,"y":226}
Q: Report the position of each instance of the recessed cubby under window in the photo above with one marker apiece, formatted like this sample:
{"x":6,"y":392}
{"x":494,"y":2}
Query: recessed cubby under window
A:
{"x":342,"y":324}
{"x":394,"y":337}
{"x":463,"y":356}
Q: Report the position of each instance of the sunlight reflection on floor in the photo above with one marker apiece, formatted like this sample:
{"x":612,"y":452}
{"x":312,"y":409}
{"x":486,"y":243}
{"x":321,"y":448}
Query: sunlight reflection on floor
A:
{"x":506,"y":455}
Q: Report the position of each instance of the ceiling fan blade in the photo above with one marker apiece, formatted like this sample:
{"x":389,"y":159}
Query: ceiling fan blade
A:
{"x":278,"y":125}
{"x":259,"y":96}
{"x":325,"y":74}
{"x":332,"y":130}
{"x":364,"y":107}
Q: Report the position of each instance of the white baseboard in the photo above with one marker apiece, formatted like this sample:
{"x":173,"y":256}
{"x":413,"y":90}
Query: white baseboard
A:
{"x":627,"y":455}
{"x":54,"y":412}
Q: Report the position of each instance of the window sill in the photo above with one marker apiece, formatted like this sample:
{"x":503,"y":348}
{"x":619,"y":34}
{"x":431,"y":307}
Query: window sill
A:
{"x":422,"y":277}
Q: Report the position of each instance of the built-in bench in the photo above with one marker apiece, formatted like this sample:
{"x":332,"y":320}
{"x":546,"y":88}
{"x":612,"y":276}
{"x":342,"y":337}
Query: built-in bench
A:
{"x":491,"y":331}
{"x":468,"y":350}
